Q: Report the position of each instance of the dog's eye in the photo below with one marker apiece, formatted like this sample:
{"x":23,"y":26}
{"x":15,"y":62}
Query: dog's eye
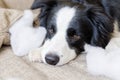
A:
{"x":76,"y":37}
{"x":72,"y":35}
{"x":51,"y":29}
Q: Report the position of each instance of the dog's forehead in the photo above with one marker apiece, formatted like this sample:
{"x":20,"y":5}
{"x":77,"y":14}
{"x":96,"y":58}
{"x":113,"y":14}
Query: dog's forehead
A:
{"x":64,"y":16}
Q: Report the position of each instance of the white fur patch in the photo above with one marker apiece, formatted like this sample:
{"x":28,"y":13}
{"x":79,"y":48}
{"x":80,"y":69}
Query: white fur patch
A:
{"x":63,"y":18}
{"x":24,"y":37}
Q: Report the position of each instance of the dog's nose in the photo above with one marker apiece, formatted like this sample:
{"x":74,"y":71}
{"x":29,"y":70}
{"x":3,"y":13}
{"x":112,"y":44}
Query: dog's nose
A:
{"x":52,"y":59}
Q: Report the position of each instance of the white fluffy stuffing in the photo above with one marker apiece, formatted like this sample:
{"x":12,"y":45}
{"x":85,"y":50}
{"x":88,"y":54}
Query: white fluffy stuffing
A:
{"x":24,"y":37}
{"x":104,"y":61}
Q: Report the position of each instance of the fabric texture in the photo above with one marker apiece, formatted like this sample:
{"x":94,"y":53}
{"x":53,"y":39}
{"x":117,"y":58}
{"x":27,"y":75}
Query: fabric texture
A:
{"x":16,"y":4}
{"x":12,"y":66}
{"x":7,"y":18}
{"x":21,"y":67}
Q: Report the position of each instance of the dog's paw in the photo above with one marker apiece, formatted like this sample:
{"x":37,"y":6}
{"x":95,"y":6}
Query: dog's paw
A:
{"x":35,"y":56}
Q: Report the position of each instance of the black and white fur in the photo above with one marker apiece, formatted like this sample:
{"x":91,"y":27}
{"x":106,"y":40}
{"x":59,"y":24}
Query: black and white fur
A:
{"x":72,"y":24}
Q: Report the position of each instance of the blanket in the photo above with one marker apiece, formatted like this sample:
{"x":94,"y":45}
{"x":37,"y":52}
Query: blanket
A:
{"x":7,"y":18}
{"x":16,"y":67}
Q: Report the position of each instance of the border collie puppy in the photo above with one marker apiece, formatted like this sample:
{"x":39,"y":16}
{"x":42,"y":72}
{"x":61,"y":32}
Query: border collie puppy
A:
{"x":69,"y":26}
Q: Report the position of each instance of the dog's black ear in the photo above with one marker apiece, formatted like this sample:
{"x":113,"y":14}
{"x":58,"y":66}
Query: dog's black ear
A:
{"x":36,"y":4}
{"x":102,"y":26}
{"x":46,"y":6}
{"x":43,"y":4}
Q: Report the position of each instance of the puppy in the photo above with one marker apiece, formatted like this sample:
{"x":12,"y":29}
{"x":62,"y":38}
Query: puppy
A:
{"x":24,"y":37}
{"x":70,"y":25}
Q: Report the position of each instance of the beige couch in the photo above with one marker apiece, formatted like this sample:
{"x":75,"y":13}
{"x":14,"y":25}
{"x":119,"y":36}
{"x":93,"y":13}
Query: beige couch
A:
{"x":12,"y":66}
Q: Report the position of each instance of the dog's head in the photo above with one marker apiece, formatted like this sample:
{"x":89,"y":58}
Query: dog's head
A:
{"x":69,"y":26}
